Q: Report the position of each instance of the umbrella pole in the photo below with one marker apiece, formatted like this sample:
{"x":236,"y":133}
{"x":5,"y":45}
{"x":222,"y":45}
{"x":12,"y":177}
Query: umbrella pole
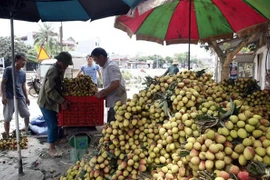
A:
{"x":189,"y":34}
{"x":14,"y":98}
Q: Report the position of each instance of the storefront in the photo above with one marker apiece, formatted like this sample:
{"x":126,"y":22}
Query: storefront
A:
{"x":262,"y":67}
{"x":245,"y":65}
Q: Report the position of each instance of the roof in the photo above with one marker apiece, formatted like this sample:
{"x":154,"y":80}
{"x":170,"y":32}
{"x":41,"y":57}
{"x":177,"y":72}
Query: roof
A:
{"x":48,"y":61}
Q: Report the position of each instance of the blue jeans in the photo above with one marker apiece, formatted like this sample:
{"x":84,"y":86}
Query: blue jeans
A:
{"x":51,"y":121}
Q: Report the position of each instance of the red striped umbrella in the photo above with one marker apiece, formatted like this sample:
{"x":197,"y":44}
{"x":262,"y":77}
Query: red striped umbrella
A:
{"x":190,"y":21}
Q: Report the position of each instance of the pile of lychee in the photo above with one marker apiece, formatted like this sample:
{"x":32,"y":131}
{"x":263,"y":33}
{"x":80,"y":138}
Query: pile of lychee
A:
{"x":11,"y":143}
{"x":82,"y":85}
{"x":157,"y":132}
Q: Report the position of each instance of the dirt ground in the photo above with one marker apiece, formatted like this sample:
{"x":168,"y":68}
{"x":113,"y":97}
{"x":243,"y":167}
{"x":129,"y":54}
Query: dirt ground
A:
{"x":34,"y":158}
{"x":37,"y":164}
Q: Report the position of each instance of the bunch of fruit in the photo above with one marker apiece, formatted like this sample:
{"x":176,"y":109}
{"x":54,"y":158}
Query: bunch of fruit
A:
{"x":11,"y":143}
{"x":180,"y":127}
{"x":209,"y":108}
{"x":82,"y":85}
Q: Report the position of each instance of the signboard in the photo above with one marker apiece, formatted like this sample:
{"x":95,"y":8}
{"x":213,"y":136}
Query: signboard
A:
{"x":233,"y":70}
{"x":42,"y":54}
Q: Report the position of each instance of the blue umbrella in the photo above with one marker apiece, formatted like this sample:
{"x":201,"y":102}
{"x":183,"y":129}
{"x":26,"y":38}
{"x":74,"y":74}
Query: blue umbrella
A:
{"x":61,"y":10}
{"x":53,"y":10}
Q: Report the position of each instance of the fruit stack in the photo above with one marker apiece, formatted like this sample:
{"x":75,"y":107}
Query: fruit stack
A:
{"x":11,"y":143}
{"x":82,"y":85}
{"x":181,"y":127}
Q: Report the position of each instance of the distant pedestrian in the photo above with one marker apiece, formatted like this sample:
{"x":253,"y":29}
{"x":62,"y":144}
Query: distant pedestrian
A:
{"x":50,"y":98}
{"x":114,"y":85}
{"x":173,"y":69}
{"x":91,"y":69}
{"x":21,"y":93}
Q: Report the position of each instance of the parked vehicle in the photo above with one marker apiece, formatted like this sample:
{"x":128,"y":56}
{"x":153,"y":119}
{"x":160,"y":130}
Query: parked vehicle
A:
{"x":34,"y":86}
{"x":36,"y":80}
{"x":46,"y":64}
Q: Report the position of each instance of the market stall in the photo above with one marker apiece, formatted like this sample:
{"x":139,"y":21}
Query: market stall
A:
{"x":182,"y":127}
{"x":85,"y":111}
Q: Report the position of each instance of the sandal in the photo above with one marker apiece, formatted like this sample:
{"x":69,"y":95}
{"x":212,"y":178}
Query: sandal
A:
{"x":57,"y":153}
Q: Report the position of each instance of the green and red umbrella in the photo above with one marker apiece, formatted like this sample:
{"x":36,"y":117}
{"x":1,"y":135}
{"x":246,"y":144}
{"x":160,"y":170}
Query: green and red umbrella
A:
{"x":210,"y":19}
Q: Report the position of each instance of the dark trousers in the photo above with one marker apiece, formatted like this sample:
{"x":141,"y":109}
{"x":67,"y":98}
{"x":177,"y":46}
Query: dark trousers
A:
{"x":51,"y":121}
{"x":111,"y":114}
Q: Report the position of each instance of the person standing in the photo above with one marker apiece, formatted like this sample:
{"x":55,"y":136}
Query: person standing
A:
{"x":50,"y":98}
{"x":173,"y":69}
{"x":21,"y":93}
{"x":114,"y":85}
{"x":90,"y":69}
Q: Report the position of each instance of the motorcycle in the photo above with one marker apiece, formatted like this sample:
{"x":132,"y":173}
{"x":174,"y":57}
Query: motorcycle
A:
{"x":34,"y":86}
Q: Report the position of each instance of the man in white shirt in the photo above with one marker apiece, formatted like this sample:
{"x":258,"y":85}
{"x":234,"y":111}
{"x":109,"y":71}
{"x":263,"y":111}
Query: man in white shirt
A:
{"x":114,"y":85}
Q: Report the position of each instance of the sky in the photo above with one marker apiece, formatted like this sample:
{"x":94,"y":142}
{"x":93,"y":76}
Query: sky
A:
{"x":111,"y":39}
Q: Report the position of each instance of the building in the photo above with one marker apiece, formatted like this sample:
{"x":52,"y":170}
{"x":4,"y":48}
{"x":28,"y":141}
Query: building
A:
{"x":261,"y":62}
{"x":87,"y":46}
{"x":255,"y":64}
{"x":126,"y":62}
{"x":69,"y":44}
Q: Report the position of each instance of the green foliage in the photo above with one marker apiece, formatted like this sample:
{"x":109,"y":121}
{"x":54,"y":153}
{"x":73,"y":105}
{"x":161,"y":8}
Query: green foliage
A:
{"x":32,"y":54}
{"x":142,"y":58}
{"x":169,"y":59}
{"x":182,"y":58}
{"x":158,"y":61}
{"x":256,"y":168}
{"x":5,"y":50}
{"x":47,"y":38}
{"x":245,"y":50}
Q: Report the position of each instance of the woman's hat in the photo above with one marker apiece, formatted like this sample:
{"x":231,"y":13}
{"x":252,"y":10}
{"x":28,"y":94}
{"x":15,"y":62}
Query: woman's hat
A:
{"x":175,"y":62}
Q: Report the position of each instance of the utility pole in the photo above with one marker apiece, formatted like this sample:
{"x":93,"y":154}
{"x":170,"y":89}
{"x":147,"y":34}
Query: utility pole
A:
{"x":157,"y":61}
{"x":61,"y":37}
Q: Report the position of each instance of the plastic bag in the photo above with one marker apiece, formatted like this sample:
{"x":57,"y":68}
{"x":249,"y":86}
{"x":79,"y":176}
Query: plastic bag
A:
{"x":38,"y":121}
{"x":38,"y":125}
{"x":39,"y":130}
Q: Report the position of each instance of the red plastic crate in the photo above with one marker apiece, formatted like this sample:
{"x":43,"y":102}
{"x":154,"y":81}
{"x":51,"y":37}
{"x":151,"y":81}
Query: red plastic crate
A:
{"x":82,"y":111}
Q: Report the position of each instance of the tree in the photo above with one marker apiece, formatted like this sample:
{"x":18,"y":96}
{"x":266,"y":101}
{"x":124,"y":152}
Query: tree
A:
{"x":5,"y":50}
{"x":142,"y":58}
{"x":182,"y":59}
{"x":158,"y":61}
{"x":168,"y":59}
{"x":47,"y":38}
{"x":32,"y":54}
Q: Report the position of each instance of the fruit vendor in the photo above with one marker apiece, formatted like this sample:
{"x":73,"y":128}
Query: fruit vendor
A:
{"x":114,"y":85}
{"x":173,"y":69}
{"x":90,"y":69}
{"x":21,"y":93}
{"x":50,"y":98}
